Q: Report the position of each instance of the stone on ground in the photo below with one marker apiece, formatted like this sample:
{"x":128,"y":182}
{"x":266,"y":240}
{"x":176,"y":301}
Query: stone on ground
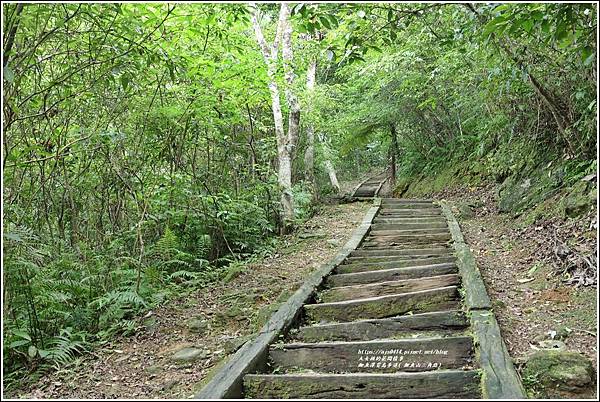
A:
{"x":551,"y":372}
{"x":188,"y":355}
{"x":197,"y":325}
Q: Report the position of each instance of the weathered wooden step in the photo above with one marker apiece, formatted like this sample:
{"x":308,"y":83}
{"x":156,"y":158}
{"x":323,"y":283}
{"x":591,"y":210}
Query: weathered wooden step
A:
{"x":375,"y":266}
{"x":407,"y":240}
{"x":409,"y":226}
{"x":409,"y":220}
{"x":406,"y":252}
{"x":423,"y":301}
{"x":426,"y":385}
{"x":389,"y":275}
{"x":380,"y":356}
{"x":386,"y":288}
{"x":391,"y":258}
{"x":407,"y":205}
{"x":409,"y":233}
{"x":405,"y":213}
{"x":405,"y":201}
{"x":391,"y":235}
{"x":442,"y":322}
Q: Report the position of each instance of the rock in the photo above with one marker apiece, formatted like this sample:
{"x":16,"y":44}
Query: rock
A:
{"x":333,"y":242}
{"x":578,"y":201}
{"x":233,"y":344}
{"x":528,"y":188}
{"x":189,"y":354}
{"x":548,"y":371}
{"x":197,"y":325}
{"x":553,"y":344}
{"x":312,"y":235}
{"x":168,"y":385}
{"x":465,"y":211}
{"x":155,"y":369}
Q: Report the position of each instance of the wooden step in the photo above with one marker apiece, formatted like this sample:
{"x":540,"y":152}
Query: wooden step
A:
{"x":391,"y":274}
{"x":374,"y":266}
{"x":391,"y":258}
{"x":409,"y":233}
{"x":405,"y":252}
{"x":423,"y":301}
{"x":409,"y":220}
{"x":442,"y":322}
{"x":379,"y":356}
{"x":409,"y":226}
{"x":444,"y":384}
{"x":386,"y":288}
{"x":392,"y":236}
{"x":385,"y":201}
{"x":413,"y":211}
{"x":386,"y":206}
{"x":436,"y":240}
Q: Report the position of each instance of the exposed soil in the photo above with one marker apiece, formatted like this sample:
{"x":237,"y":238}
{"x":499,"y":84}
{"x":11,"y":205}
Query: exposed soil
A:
{"x":140,"y":366}
{"x":534,"y":274}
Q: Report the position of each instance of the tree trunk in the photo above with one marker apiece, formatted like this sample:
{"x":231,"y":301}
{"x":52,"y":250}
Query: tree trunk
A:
{"x":393,"y":152}
{"x":332,"y":175}
{"x":309,"y":154}
{"x":328,"y":165}
{"x":292,"y":100}
{"x":284,"y":147}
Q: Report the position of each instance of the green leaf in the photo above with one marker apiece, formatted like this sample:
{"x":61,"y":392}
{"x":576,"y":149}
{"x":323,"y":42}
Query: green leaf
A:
{"x":587,"y":55}
{"x":325,"y":22}
{"x":125,"y":81}
{"x":8,"y":74}
{"x":16,"y":344}
{"x":22,"y":334}
{"x":44,"y":353}
{"x":32,"y":351}
{"x":333,"y":20}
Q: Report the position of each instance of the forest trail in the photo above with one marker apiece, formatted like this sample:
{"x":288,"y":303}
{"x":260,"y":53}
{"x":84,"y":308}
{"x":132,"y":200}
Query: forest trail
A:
{"x":371,"y":186}
{"x":402,"y":312}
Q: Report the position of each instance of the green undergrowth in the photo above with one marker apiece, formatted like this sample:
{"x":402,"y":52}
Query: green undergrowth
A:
{"x":72,"y":301}
{"x":529,"y":183}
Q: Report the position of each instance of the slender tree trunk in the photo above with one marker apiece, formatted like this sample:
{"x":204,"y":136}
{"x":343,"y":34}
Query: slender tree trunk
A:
{"x":328,"y":165}
{"x":332,"y":175}
{"x":309,"y":154}
{"x":292,"y":100}
{"x":393,"y":151}
{"x":284,"y":147}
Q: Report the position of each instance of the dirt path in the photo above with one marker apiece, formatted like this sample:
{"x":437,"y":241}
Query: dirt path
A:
{"x":141,"y":366}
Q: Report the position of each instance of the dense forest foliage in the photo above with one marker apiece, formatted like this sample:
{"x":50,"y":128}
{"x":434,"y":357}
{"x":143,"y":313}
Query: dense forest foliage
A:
{"x":149,"y":148}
